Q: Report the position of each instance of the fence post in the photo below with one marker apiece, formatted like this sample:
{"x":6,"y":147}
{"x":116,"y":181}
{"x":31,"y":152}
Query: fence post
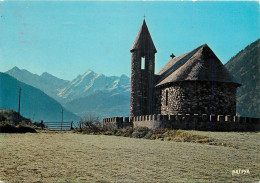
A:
{"x":42,"y":124}
{"x":71,"y":127}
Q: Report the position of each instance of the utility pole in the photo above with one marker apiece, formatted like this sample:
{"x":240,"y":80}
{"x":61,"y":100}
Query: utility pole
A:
{"x":61,"y":118}
{"x":62,"y":114}
{"x":19,"y":110}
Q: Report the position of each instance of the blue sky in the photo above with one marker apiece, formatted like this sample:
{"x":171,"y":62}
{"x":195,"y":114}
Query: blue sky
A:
{"x":68,"y":38}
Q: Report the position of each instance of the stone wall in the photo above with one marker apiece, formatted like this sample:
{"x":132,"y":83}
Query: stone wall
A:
{"x":198,"y":122}
{"x":151,"y":121}
{"x":196,"y":97}
{"x":117,"y":122}
{"x":187,"y":122}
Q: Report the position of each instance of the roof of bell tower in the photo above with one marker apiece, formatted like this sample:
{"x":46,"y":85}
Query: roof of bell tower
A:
{"x":143,"y":40}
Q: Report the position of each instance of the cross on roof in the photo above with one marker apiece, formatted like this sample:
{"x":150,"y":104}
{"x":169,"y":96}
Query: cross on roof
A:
{"x":172,"y":55}
{"x":144,"y":16}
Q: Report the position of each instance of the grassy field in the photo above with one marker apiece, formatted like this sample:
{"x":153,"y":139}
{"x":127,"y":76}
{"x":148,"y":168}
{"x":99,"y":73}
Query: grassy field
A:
{"x":72,"y":157}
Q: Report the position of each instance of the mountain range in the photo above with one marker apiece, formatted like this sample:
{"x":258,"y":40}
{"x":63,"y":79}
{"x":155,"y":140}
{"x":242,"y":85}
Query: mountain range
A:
{"x":83,"y":85}
{"x":90,"y":82}
{"x":83,"y":94}
{"x":245,"y":67}
{"x":35,"y":104}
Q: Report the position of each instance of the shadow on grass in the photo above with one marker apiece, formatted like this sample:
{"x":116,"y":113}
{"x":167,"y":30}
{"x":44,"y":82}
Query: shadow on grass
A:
{"x":8,"y":128}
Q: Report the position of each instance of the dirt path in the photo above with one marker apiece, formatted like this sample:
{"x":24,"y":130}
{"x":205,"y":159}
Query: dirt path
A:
{"x":71,"y":157}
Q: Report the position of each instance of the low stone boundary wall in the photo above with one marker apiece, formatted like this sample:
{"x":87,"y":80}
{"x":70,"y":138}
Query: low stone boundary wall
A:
{"x":117,"y":122}
{"x":187,"y":121}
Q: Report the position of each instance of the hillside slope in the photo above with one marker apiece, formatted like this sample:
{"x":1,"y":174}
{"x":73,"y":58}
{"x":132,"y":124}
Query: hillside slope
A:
{"x":35,"y":104}
{"x":101,"y":104}
{"x":245,"y":67}
{"x":46,"y":82}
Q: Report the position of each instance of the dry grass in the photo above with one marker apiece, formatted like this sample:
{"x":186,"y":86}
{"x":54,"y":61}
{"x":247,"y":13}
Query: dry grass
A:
{"x":72,"y":157}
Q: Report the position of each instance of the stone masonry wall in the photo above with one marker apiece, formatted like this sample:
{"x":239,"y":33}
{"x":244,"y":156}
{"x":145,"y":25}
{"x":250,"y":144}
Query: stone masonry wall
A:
{"x":117,"y":122}
{"x":198,"y":122}
{"x":142,"y":83}
{"x":192,"y":97}
{"x":187,"y":122}
{"x":135,"y":103}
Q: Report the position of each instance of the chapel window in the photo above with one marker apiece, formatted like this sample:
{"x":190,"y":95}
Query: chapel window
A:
{"x":166,"y":97}
{"x":143,"y":63}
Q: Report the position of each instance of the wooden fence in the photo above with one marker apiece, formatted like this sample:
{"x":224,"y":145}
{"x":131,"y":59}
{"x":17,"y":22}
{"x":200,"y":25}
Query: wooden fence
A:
{"x":58,"y":125}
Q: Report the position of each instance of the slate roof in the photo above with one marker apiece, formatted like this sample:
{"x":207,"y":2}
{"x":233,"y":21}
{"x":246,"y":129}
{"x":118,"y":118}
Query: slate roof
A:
{"x":143,"y":40}
{"x":200,"y":64}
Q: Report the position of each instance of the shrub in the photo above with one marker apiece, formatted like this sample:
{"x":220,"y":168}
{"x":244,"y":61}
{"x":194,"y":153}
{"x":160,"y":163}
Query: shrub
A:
{"x":127,"y":132}
{"x":108,"y":133}
{"x":90,"y":124}
{"x":169,"y":133}
{"x":160,"y":131}
{"x":140,"y":132}
{"x":25,"y":129}
{"x":119,"y":133}
{"x":8,"y":128}
{"x":149,"y":135}
{"x":91,"y":129}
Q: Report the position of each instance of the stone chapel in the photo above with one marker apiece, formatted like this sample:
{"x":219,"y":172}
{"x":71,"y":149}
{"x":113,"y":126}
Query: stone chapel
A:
{"x":193,"y":83}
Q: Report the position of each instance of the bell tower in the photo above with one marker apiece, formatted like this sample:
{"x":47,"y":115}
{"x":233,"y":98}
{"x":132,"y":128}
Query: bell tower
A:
{"x":142,"y":73}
